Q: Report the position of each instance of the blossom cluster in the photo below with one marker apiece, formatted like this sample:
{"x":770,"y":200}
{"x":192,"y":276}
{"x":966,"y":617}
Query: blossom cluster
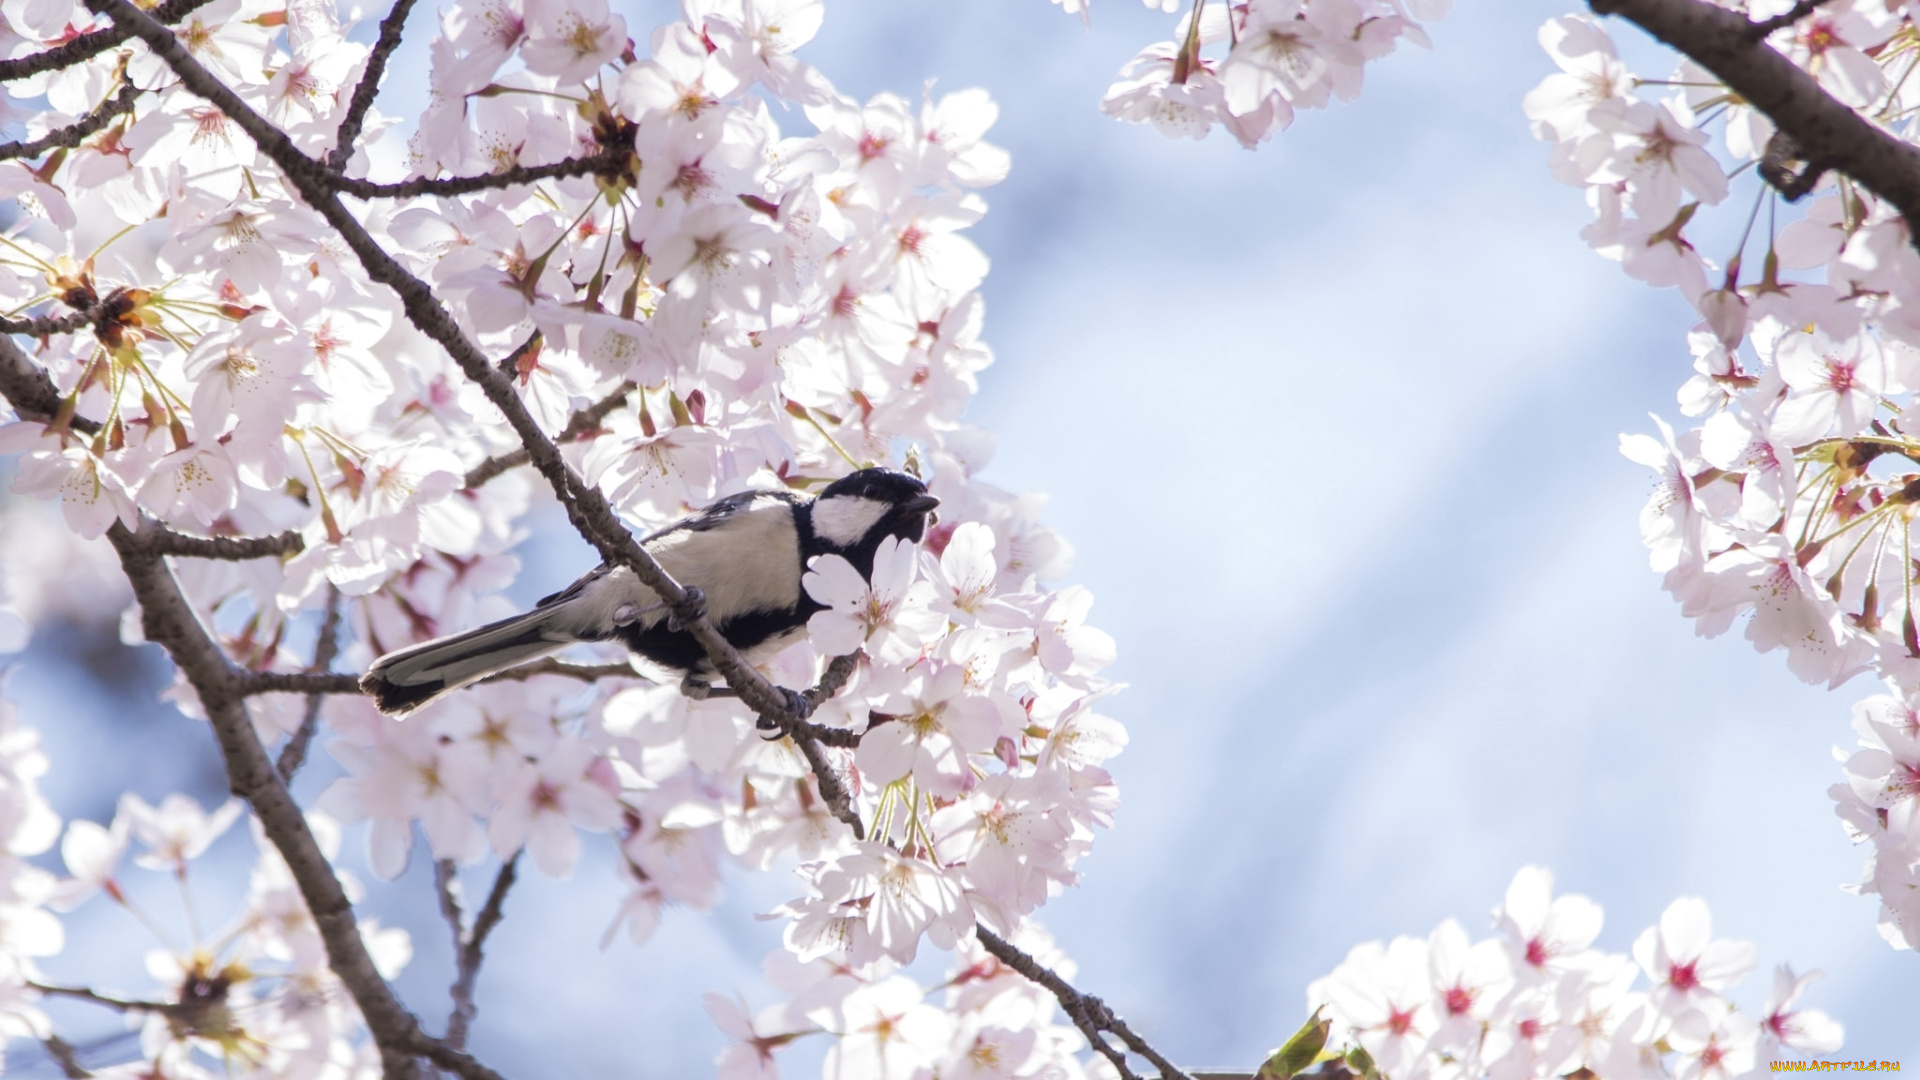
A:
{"x":1789,"y":500}
{"x":1248,"y":66}
{"x":720,"y":306}
{"x":983,"y":1022}
{"x":1538,"y":1000}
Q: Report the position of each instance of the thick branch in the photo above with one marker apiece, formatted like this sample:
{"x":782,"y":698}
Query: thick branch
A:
{"x":72,"y":135}
{"x":1827,"y":131}
{"x":579,"y":425}
{"x":87,"y":46}
{"x":348,"y":133}
{"x":31,"y":391}
{"x":1087,"y":1012}
{"x":294,"y":754}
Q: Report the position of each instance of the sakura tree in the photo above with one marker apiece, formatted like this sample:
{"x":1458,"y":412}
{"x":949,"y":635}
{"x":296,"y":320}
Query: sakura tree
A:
{"x":312,"y":407}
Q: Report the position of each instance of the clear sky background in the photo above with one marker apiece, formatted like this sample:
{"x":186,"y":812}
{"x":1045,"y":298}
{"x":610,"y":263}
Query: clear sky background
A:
{"x":1332,"y":426}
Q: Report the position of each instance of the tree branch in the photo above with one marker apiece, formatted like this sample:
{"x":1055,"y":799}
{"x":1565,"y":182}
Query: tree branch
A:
{"x":65,"y":1056}
{"x":603,"y":161}
{"x":82,"y":993}
{"x":468,"y":945}
{"x":250,"y":683}
{"x":1088,"y":1013}
{"x":87,"y":46}
{"x":294,"y":754}
{"x":31,"y":390}
{"x":809,"y":737}
{"x":579,"y":425}
{"x":48,"y":325}
{"x":1828,"y":132}
{"x":72,"y":135}
{"x":368,"y":88}
{"x":164,"y":541}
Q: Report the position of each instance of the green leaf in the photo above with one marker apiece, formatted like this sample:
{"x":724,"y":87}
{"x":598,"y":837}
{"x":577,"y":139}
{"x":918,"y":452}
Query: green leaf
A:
{"x":1300,"y":1051}
{"x":1361,"y":1063}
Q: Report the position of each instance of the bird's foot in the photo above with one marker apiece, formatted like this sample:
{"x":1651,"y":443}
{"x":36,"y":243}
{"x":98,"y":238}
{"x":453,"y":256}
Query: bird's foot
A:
{"x":799,"y":708}
{"x":692,"y":608}
{"x":798,"y":704}
{"x":699,"y":688}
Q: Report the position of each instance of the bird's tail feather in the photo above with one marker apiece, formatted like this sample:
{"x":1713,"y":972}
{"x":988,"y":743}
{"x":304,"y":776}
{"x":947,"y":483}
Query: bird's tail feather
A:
{"x":403,"y":681}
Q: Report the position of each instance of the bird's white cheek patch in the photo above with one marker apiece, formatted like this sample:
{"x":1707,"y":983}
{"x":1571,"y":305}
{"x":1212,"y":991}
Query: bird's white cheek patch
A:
{"x":844,"y":520}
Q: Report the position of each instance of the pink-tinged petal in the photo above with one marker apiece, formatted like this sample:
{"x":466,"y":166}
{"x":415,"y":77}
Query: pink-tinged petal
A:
{"x":1724,"y":963}
{"x":835,"y":633}
{"x":887,"y":752}
{"x":1686,"y":927}
{"x":554,"y":845}
{"x":1805,"y":416}
{"x":388,"y":844}
{"x":833,"y":581}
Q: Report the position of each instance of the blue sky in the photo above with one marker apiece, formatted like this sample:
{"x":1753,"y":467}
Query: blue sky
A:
{"x":1332,"y":426}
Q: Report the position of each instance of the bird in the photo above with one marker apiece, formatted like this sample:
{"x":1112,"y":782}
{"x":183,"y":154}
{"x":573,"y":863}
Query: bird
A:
{"x":746,"y":553}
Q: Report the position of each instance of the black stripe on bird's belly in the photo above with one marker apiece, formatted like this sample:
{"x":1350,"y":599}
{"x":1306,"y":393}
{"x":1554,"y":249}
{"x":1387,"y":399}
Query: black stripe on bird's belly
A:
{"x":678,"y":650}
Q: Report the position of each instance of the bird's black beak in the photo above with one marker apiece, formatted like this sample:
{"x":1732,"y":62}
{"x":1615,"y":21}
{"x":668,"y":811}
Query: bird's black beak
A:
{"x":919,"y":504}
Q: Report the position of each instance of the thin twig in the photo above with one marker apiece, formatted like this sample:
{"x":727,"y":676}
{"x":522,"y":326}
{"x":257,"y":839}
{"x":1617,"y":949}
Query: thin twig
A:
{"x":583,"y":423}
{"x":250,"y":683}
{"x":469,"y":944}
{"x":348,"y":133}
{"x":82,"y":993}
{"x":1761,"y":30}
{"x":603,"y":161}
{"x":1088,"y":1013}
{"x":294,"y":754}
{"x":87,"y":46}
{"x":73,"y":134}
{"x":65,"y":1056}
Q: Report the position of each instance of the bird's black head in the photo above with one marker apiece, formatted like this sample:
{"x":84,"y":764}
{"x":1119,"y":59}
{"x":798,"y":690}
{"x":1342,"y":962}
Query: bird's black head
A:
{"x":854,"y":513}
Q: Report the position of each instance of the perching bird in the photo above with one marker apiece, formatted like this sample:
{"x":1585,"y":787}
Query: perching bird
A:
{"x":746,"y":553}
